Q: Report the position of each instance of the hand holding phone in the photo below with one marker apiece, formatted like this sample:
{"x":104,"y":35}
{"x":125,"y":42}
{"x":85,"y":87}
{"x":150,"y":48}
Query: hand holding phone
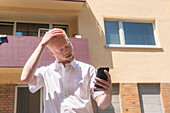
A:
{"x":101,"y":74}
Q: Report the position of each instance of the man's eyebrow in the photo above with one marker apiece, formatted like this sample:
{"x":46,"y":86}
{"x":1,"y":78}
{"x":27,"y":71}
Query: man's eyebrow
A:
{"x":64,"y":45}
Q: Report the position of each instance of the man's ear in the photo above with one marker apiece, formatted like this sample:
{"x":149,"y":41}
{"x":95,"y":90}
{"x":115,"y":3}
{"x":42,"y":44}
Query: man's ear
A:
{"x":51,"y":52}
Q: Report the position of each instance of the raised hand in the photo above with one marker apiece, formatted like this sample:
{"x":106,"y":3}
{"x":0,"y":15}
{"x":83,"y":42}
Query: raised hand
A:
{"x":107,"y":85}
{"x":51,"y":34}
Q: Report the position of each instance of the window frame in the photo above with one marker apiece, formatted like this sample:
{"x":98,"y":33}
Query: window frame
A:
{"x":142,"y":103}
{"x":16,"y":93}
{"x":8,"y":23}
{"x":20,"y":22}
{"x":51,"y":25}
{"x":122,"y":37}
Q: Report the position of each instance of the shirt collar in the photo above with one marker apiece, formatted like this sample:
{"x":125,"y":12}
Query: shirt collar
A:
{"x":73,"y":63}
{"x":57,"y":64}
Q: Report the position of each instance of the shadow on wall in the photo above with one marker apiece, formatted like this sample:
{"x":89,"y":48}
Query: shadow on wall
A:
{"x":90,"y":28}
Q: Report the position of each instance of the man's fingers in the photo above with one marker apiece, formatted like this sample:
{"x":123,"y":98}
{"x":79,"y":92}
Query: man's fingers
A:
{"x":99,"y":89}
{"x":55,"y":34}
{"x":108,"y":75}
{"x":53,"y":31}
{"x":102,"y":81}
{"x":102,"y":85}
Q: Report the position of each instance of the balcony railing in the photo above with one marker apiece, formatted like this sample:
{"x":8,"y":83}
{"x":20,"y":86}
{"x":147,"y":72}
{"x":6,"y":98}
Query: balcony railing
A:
{"x":16,"y":52}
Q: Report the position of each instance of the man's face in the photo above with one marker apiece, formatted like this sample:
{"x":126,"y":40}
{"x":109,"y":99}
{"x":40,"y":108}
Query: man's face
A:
{"x":62,"y":50}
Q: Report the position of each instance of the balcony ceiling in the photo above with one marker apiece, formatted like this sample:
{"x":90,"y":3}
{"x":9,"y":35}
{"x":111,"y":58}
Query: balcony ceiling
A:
{"x":40,"y":10}
{"x":36,"y":17}
{"x":42,"y":4}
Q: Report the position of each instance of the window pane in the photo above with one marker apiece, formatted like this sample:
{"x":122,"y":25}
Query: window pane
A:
{"x":138,"y":33}
{"x":150,"y":98}
{"x":29,"y":29}
{"x":6,"y":28}
{"x":112,"y":32}
{"x":28,"y":102}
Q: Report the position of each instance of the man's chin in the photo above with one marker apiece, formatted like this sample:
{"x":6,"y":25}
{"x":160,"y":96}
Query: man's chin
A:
{"x":68,"y":60}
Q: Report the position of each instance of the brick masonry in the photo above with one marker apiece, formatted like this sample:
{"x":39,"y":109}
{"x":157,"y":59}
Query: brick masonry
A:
{"x":129,"y":98}
{"x":7,"y":93}
{"x":165,"y":93}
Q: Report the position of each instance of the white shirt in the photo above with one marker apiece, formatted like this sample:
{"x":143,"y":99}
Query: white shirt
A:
{"x":66,"y":89}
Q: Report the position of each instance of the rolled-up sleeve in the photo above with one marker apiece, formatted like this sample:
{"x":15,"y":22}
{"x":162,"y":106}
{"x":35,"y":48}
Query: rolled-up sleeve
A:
{"x":39,"y":74}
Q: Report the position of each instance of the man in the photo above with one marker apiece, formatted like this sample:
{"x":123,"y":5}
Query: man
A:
{"x":68,"y":84}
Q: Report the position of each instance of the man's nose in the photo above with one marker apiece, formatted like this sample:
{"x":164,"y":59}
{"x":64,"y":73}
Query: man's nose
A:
{"x":66,"y":49}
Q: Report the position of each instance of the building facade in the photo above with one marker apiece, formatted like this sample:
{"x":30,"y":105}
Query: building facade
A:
{"x":131,"y":37}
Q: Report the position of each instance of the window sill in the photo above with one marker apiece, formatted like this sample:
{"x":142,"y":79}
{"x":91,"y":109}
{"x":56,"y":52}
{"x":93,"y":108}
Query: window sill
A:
{"x":132,"y":46}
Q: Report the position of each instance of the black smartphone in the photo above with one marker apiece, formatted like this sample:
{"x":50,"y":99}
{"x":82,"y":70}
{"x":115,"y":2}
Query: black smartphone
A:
{"x":101,"y":74}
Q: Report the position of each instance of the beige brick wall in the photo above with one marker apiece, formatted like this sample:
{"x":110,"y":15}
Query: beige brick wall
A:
{"x":7,"y":93}
{"x":129,"y":98}
{"x":165,"y":93}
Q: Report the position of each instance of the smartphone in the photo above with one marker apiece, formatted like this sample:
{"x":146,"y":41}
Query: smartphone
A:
{"x":101,"y":74}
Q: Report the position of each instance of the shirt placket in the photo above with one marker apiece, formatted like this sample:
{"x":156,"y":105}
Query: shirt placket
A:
{"x":65,"y":81}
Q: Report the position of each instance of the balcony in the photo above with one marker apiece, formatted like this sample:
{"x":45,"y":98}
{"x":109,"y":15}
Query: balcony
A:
{"x":16,"y":52}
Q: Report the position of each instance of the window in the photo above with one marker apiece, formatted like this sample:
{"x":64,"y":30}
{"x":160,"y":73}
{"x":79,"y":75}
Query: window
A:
{"x":150,"y":99}
{"x":42,"y":31}
{"x":29,"y":29}
{"x":27,"y":102}
{"x":114,"y":107}
{"x":129,"y":34}
{"x":6,"y":28}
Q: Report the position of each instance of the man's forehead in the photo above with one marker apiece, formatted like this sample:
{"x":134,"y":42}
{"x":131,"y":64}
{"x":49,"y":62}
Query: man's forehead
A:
{"x":61,"y":42}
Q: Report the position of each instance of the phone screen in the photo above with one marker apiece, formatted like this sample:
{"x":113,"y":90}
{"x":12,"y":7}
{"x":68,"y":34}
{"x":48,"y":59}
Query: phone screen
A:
{"x":101,"y":74}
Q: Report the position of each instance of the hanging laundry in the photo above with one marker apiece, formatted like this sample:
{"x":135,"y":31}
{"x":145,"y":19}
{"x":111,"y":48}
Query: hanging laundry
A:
{"x":3,"y":39}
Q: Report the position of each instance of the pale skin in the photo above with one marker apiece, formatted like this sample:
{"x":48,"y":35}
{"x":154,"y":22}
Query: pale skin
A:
{"x":63,"y":51}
